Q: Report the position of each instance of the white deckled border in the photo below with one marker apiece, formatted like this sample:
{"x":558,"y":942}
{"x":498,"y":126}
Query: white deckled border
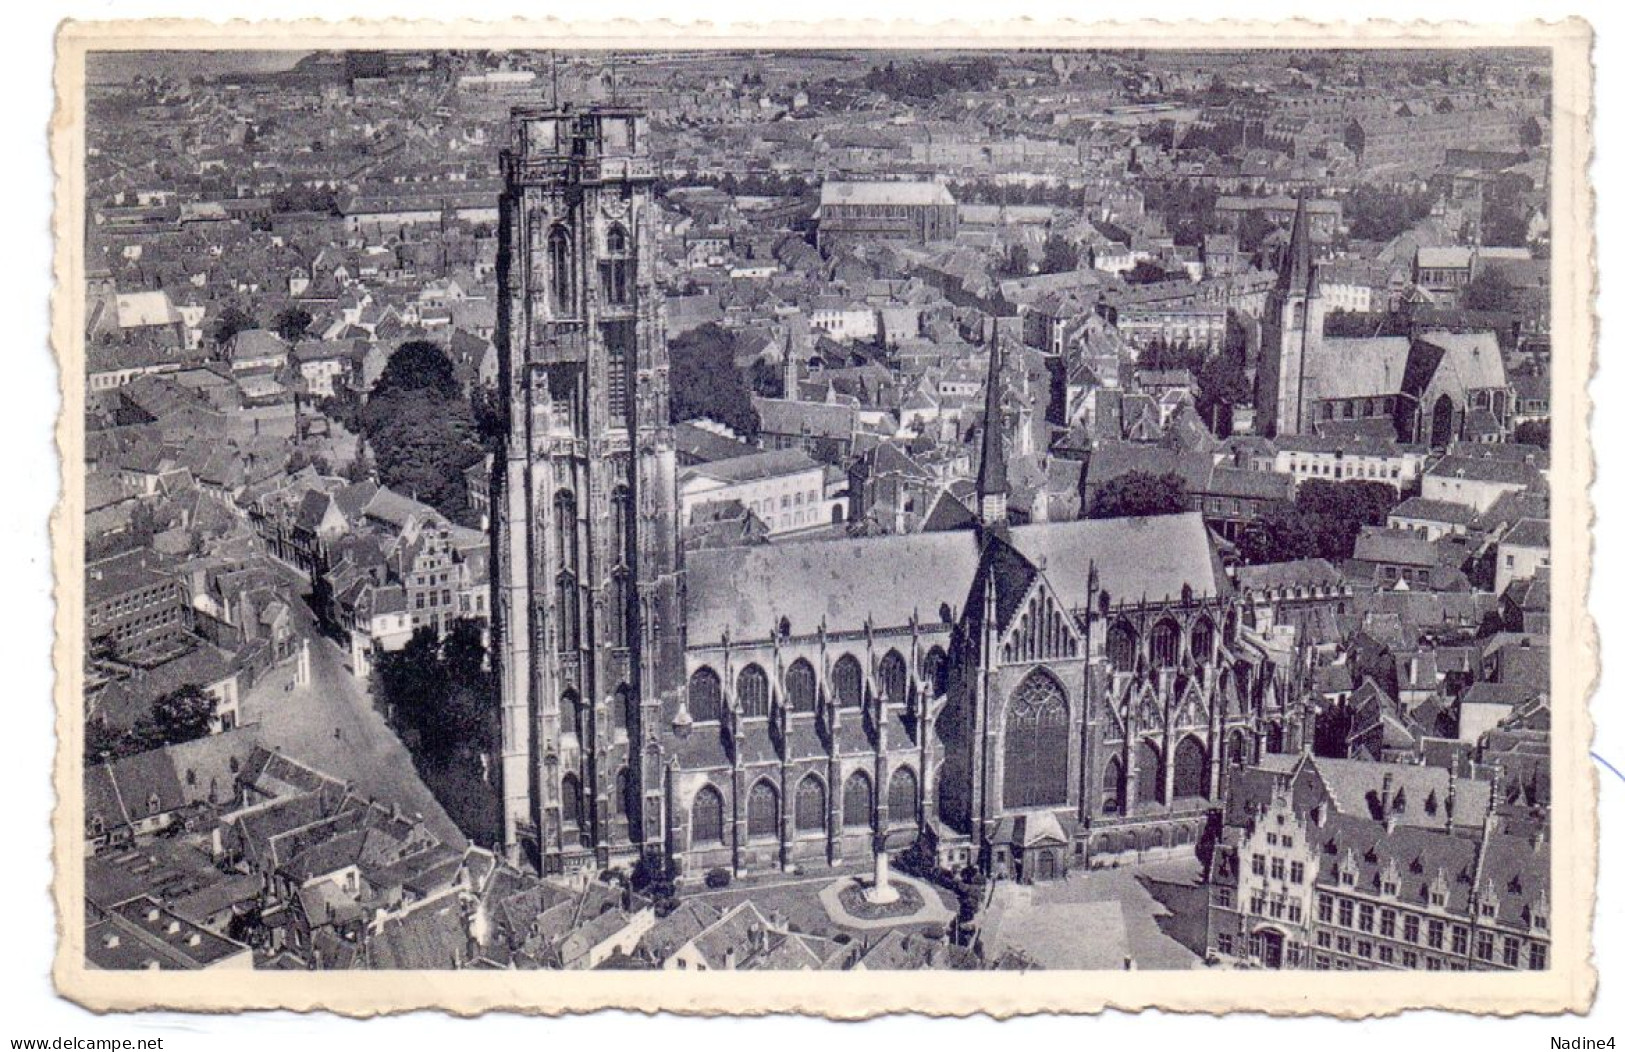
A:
{"x":1570,"y":983}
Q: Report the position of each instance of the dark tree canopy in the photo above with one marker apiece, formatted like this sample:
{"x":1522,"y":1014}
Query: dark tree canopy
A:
{"x":766,"y":379}
{"x":704,"y":382}
{"x":929,"y":79}
{"x":1139,"y":493}
{"x":1221,"y":384}
{"x":1378,"y":214}
{"x":183,"y":715}
{"x":437,"y":691}
{"x":421,"y":429}
{"x":291,"y":323}
{"x":1060,"y":255}
{"x":418,"y":365}
{"x":1323,"y":521}
{"x":1530,"y":134}
{"x":1016,"y":262}
{"x":1146,"y":272}
{"x":1533,"y":433}
{"x":232,"y":321}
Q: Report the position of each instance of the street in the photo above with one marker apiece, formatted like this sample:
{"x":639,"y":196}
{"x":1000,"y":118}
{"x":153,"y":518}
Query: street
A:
{"x":302,"y":721}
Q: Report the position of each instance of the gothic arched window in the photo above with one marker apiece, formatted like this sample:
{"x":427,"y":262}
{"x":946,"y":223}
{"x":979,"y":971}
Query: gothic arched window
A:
{"x":936,"y":671}
{"x":1190,"y":768}
{"x":1164,"y":644}
{"x":620,"y":506}
{"x":801,"y":685}
{"x":752,"y":687}
{"x":902,"y":797}
{"x":620,"y":609}
{"x":564,"y":529}
{"x":762,"y":811}
{"x":1121,"y":645}
{"x":1035,"y":743}
{"x":848,"y":676}
{"x":569,"y":614}
{"x":811,"y":805}
{"x":623,"y":707}
{"x":626,"y":791}
{"x":1148,"y":781}
{"x":894,"y":677}
{"x":707,"y":816}
{"x":1111,"y":787}
{"x":1202,"y":640}
{"x":704,"y":695}
{"x":1236,"y":749}
{"x":561,"y":272}
{"x":858,"y":801}
{"x":570,"y":800}
{"x":616,"y":270}
{"x":570,"y":712}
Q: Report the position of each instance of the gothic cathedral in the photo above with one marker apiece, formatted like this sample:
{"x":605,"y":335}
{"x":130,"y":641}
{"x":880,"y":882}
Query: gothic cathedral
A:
{"x":1023,"y":698}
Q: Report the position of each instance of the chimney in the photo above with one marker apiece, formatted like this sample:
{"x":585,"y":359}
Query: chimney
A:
{"x":1386,"y":800}
{"x":729,"y":959}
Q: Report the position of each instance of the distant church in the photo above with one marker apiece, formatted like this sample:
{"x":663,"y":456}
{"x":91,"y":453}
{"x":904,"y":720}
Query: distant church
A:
{"x":1426,"y":389}
{"x":1026,"y":699}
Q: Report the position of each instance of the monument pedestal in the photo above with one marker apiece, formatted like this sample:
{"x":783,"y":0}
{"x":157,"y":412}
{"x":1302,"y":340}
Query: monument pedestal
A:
{"x":881,"y":892}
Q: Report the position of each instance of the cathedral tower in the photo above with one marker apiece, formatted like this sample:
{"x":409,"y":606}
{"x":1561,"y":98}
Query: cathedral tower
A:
{"x":586,"y":619}
{"x":1294,"y":323}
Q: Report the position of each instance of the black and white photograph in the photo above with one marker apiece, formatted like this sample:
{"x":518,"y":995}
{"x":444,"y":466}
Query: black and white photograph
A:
{"x":991,"y":509}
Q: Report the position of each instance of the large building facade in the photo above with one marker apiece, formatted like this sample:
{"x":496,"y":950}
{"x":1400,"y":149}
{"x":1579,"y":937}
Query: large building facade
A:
{"x":1025,"y":699}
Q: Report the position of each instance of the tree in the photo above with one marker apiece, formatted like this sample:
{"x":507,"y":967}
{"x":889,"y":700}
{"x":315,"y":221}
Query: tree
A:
{"x":1016,"y":262}
{"x":1146,"y":272}
{"x":1060,"y":255}
{"x":291,"y":323}
{"x":1280,"y":534}
{"x":418,"y":365}
{"x":231,"y":321}
{"x":1533,"y":433}
{"x":185,"y":714}
{"x":766,"y":378}
{"x":1139,"y":493}
{"x":704,"y":382}
{"x":1530,"y":134}
{"x":1375,"y":213}
{"x":1324,"y":521}
{"x":1221,"y":384}
{"x":1489,"y":289}
{"x":421,"y":430}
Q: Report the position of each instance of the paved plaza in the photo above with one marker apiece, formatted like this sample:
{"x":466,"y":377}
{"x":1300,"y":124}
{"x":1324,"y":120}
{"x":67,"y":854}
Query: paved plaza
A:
{"x":302,"y":721}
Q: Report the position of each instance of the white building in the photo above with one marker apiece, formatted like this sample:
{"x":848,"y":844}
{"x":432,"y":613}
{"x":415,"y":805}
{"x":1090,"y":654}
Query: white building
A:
{"x":784,"y":488}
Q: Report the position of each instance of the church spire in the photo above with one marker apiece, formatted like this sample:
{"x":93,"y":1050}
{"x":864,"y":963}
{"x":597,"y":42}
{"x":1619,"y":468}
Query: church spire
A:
{"x":992,"y":478}
{"x":1298,"y":269}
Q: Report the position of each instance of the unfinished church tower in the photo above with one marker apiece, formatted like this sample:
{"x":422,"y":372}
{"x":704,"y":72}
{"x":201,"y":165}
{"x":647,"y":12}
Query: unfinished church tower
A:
{"x":587,"y":623}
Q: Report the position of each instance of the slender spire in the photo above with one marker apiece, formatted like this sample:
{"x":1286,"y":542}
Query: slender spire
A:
{"x":1298,"y":270}
{"x":992,"y":478}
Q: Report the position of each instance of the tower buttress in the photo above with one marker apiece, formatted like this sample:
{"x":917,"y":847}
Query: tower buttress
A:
{"x":585,"y":531}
